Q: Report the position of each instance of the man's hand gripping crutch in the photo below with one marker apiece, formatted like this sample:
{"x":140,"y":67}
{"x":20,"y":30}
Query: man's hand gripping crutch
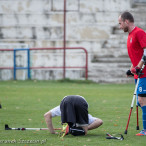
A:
{"x":138,"y":71}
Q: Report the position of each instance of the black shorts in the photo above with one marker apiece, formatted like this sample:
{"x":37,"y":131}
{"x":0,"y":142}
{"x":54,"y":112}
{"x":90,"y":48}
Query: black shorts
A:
{"x":74,"y":109}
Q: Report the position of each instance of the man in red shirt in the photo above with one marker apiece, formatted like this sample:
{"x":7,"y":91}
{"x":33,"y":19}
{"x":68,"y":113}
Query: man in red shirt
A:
{"x":136,"y":47}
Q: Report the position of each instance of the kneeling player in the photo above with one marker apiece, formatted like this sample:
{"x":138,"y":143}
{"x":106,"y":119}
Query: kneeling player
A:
{"x":73,"y":110}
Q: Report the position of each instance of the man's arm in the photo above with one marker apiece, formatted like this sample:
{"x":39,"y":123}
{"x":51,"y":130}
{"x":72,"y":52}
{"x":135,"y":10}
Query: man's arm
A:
{"x":143,"y":60}
{"x":140,"y":64}
{"x":131,"y":66}
{"x":95,"y":124}
{"x":48,"y":119}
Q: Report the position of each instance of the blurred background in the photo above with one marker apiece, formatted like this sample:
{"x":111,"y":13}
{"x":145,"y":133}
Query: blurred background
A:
{"x":58,"y":39}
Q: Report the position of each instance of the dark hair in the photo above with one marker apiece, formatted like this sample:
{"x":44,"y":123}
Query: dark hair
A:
{"x":128,"y":16}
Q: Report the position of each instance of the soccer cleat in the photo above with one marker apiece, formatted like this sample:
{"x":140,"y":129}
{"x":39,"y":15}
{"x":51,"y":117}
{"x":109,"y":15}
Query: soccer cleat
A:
{"x":65,"y":130}
{"x":142,"y":133}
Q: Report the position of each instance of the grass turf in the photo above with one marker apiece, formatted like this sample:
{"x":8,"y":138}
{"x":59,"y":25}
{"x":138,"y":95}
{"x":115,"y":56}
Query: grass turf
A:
{"x":25,"y":102}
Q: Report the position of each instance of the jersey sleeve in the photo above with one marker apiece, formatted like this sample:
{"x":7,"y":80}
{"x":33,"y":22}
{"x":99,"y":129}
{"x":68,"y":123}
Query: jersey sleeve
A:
{"x":55,"y":111}
{"x":91,"y":119}
{"x":141,"y":36}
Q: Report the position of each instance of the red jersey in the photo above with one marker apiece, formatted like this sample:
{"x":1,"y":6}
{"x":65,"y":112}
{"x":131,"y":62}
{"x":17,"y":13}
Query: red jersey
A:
{"x":135,"y":43}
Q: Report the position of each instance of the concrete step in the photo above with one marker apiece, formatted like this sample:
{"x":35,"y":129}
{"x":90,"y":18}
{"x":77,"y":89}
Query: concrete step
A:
{"x":117,"y":54}
{"x":123,"y":67}
{"x":112,"y":60}
{"x":139,"y":5}
{"x":109,"y":72}
{"x":111,"y":80}
{"x":116,"y":41}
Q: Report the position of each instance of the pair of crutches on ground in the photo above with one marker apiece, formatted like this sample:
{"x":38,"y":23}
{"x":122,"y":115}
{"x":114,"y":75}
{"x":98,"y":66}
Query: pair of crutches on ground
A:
{"x":134,"y":96}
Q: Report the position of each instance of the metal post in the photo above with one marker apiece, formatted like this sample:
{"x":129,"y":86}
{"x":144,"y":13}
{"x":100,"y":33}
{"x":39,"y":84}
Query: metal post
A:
{"x":14,"y":59}
{"x":86,"y":75}
{"x":28,"y":63}
{"x":64,"y":42}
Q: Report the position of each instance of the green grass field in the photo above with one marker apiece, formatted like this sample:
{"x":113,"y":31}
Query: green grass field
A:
{"x":25,"y":102}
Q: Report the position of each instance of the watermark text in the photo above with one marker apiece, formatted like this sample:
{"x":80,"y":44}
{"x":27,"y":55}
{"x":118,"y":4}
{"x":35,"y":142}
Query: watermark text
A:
{"x":24,"y":141}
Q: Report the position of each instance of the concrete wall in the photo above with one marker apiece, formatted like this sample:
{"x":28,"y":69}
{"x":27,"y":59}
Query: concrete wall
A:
{"x":90,"y":24}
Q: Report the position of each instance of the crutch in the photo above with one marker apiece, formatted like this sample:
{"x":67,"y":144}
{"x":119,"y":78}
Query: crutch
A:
{"x":8,"y":128}
{"x":137,"y":127}
{"x":134,"y":95}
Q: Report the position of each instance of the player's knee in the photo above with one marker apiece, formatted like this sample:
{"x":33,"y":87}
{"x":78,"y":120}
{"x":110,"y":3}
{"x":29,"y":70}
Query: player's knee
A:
{"x":140,"y":100}
{"x":138,"y":103}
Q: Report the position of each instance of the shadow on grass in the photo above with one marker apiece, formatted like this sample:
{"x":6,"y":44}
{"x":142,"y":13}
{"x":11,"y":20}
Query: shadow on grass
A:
{"x":67,"y":80}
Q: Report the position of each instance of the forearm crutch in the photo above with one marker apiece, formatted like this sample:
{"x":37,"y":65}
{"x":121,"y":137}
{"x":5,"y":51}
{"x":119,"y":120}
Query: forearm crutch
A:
{"x":137,"y":127}
{"x":8,"y":128}
{"x":134,"y":95}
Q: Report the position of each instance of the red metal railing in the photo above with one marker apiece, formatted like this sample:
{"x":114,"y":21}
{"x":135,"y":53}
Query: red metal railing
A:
{"x":63,"y":67}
